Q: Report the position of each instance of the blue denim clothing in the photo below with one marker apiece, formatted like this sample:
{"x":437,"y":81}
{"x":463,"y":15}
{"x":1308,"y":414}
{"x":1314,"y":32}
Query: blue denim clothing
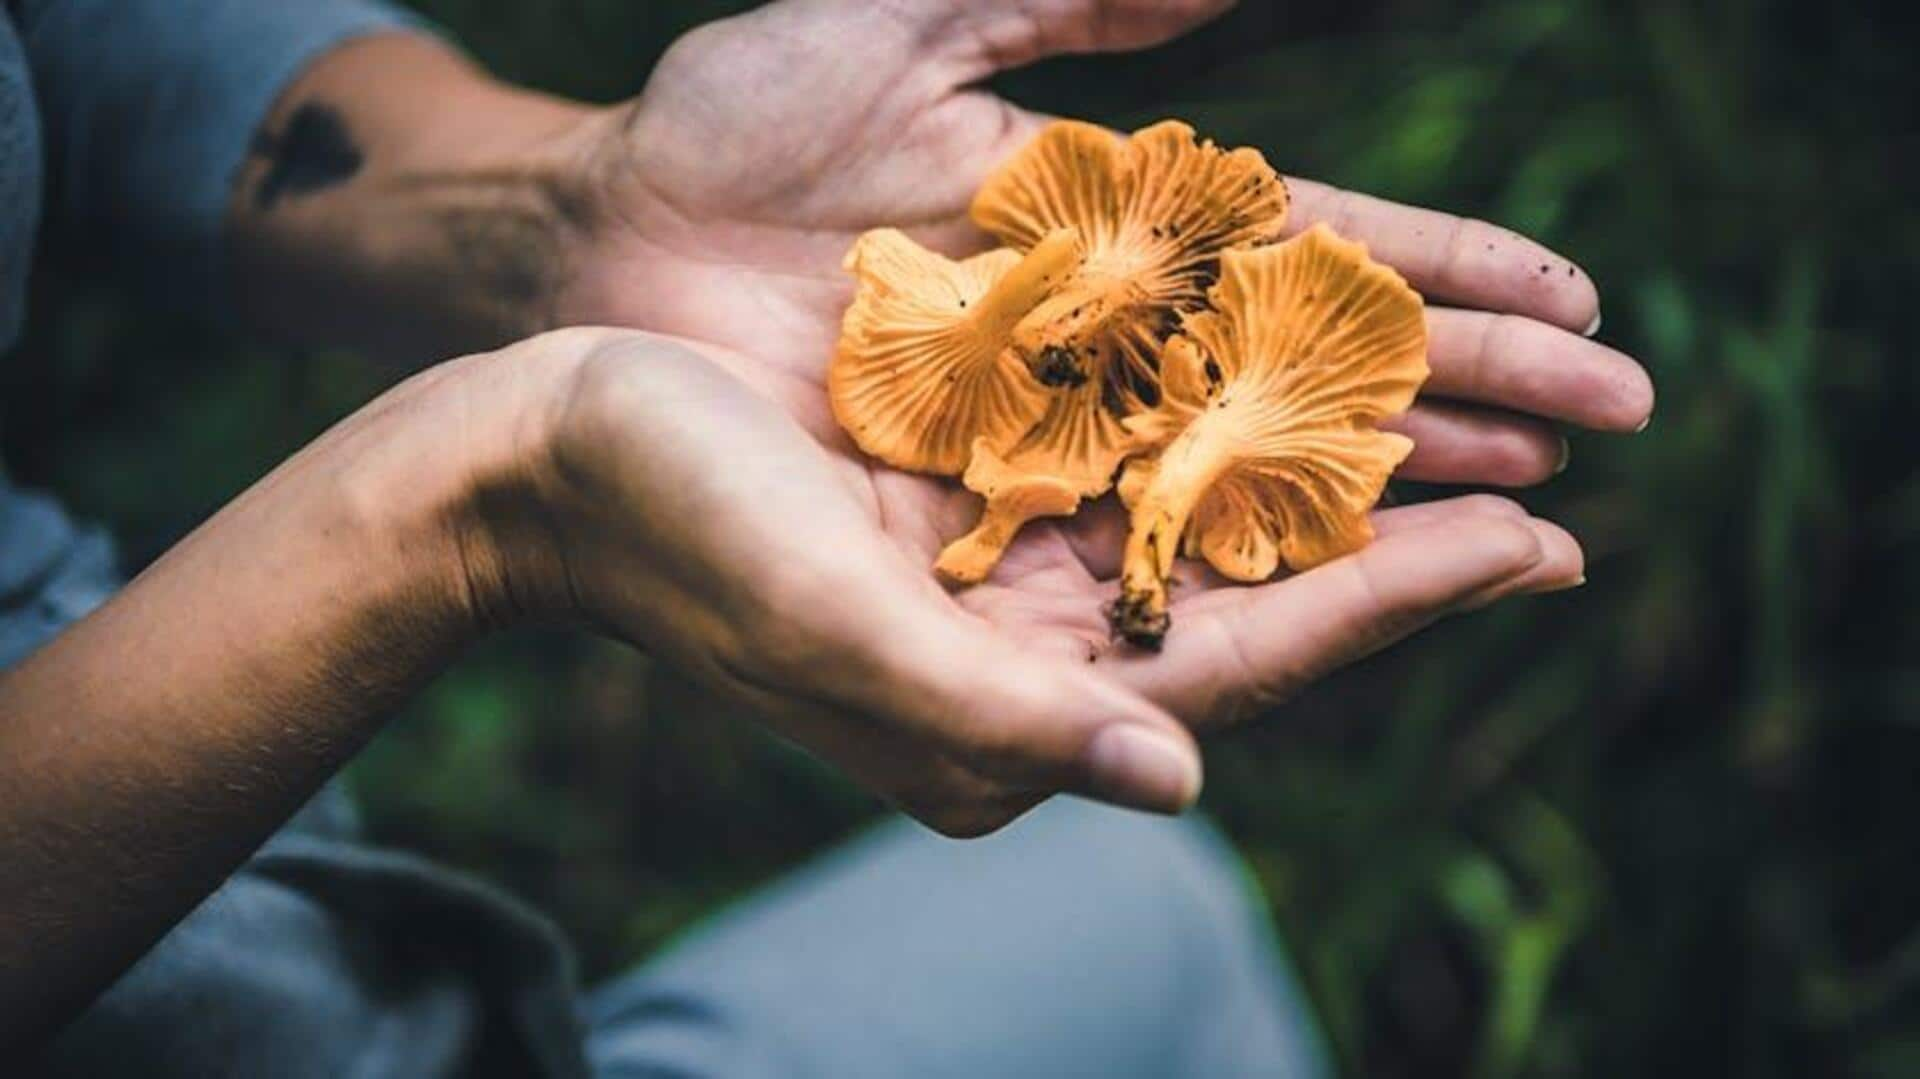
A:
{"x":51,"y":572}
{"x":145,"y":110}
{"x":1080,"y":942}
{"x":126,"y":120}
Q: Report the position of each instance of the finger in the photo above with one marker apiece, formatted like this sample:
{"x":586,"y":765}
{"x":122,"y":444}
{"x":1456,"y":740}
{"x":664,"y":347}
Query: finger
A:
{"x":1234,"y":659}
{"x":1444,"y":511}
{"x":1098,"y":533}
{"x":1027,"y":721}
{"x":988,"y":36}
{"x":1206,"y":590}
{"x":1464,"y":444}
{"x":1528,"y":366}
{"x":1455,"y":259}
{"x":1563,"y":565}
{"x":1452,"y":444}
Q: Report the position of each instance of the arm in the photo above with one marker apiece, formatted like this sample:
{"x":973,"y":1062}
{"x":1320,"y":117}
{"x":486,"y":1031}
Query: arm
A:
{"x":395,"y":179}
{"x":378,"y":171}
{"x":149,"y":749}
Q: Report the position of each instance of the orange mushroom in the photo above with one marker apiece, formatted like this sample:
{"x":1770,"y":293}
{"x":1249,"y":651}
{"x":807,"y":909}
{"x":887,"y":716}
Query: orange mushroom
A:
{"x":1270,"y":450}
{"x":922,"y":371}
{"x":1013,"y":498}
{"x":1155,"y":212}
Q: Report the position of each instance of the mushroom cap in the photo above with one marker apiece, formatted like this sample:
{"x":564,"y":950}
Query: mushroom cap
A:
{"x":1305,"y":506}
{"x":1155,"y":211}
{"x":919,"y":373}
{"x":1315,"y":329}
{"x":1268,"y":424}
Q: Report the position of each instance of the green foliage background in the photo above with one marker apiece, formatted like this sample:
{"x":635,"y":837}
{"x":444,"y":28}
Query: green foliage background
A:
{"x":1663,"y":823}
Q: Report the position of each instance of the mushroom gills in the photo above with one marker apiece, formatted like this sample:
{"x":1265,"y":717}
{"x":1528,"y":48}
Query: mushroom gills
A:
{"x":1267,"y":436}
{"x":922,"y":369}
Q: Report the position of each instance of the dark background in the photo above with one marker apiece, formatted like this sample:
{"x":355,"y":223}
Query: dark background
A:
{"x":1663,"y":823}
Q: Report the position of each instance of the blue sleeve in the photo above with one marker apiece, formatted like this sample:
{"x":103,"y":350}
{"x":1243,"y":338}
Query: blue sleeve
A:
{"x":148,"y":107}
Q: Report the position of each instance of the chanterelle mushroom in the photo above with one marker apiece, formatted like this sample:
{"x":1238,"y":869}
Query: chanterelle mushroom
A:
{"x":1013,"y":498}
{"x":1268,"y":421}
{"x":1155,"y":212}
{"x":923,"y":370}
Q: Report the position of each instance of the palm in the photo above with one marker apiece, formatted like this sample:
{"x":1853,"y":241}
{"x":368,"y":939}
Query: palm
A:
{"x":760,"y":186}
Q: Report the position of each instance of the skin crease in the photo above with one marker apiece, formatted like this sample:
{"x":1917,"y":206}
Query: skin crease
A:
{"x":688,"y":492}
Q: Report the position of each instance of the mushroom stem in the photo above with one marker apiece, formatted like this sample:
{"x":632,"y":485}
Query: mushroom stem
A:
{"x":1036,"y":276}
{"x":1013,"y":498}
{"x":970,"y":558}
{"x":1055,"y":340}
{"x":1187,"y":468}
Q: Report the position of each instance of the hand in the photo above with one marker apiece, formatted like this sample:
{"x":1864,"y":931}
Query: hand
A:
{"x":670,"y":504}
{"x":764,"y":144}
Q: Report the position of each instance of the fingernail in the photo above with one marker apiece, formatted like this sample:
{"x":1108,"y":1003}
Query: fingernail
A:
{"x":1566,"y":455}
{"x":1566,"y":586}
{"x":1644,"y":423}
{"x":1135,"y":766}
{"x":1592,"y":327}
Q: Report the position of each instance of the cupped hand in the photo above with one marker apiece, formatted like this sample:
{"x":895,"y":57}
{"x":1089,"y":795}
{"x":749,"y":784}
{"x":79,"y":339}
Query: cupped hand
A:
{"x":684,"y":511}
{"x":764,"y":144}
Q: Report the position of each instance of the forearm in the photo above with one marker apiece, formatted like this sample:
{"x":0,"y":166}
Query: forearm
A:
{"x":152,"y":747}
{"x":396,"y":181}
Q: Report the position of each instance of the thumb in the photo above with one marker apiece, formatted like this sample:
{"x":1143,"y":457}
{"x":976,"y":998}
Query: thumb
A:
{"x":1022,"y":720}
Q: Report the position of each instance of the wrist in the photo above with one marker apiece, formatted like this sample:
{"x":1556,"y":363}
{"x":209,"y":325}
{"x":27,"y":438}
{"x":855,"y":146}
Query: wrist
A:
{"x":446,"y":480}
